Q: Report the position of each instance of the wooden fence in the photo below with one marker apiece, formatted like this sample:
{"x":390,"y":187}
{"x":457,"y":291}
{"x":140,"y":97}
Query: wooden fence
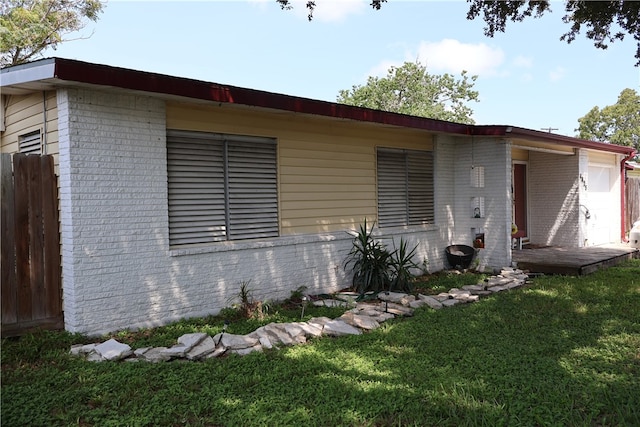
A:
{"x":30,"y":245}
{"x":632,"y":199}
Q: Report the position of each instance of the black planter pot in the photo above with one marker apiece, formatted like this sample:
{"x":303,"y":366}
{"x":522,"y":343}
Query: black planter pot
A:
{"x":460,"y":256}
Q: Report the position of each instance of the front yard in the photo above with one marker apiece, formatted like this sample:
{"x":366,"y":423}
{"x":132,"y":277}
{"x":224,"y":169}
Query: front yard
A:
{"x":562,"y":351}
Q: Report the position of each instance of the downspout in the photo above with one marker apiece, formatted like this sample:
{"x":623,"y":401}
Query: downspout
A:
{"x":623,"y":202}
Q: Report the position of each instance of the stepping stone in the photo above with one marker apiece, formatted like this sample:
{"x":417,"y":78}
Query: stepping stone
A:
{"x":202,"y":349}
{"x":238,"y":342}
{"x":359,"y":321}
{"x":191,"y":340}
{"x":450,"y":302}
{"x":430,"y":301}
{"x":397,"y":309}
{"x":155,"y":355}
{"x":337,"y":328}
{"x":113,"y":350}
{"x":396,"y":297}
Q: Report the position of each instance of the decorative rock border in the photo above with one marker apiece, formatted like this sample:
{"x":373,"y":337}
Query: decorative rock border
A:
{"x":362,"y":316}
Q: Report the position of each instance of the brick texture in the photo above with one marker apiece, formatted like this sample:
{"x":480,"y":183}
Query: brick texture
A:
{"x":119,"y":271}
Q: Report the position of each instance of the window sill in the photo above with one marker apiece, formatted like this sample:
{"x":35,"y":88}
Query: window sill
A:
{"x":245,"y":245}
{"x":301,"y":239}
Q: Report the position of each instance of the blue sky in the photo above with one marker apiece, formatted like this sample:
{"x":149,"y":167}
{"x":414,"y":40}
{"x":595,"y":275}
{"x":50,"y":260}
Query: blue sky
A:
{"x":526,"y":77}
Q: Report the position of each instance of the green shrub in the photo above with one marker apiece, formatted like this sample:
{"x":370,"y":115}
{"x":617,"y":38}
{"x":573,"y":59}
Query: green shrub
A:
{"x":375,"y":268}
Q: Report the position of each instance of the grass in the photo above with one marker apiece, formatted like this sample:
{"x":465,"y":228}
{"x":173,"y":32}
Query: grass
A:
{"x":564,"y":351}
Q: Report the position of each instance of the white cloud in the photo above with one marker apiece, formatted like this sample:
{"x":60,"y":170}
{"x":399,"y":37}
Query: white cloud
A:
{"x":453,"y":56}
{"x":557,"y":74}
{"x":325,"y":10}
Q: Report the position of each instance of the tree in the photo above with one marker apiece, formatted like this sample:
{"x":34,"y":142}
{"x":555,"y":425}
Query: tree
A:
{"x":618,"y":123}
{"x":28,"y":27}
{"x":597,"y":16}
{"x":410,"y":89}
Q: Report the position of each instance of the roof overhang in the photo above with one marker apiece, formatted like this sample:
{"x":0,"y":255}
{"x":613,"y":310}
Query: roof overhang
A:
{"x":51,"y":73}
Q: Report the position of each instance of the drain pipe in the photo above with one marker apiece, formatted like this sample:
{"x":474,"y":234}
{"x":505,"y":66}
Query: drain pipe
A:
{"x":623,"y":202}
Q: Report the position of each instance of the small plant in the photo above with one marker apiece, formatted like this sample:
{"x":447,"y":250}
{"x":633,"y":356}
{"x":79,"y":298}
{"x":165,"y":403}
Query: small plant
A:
{"x":369,"y":260}
{"x":296,"y":295}
{"x":424,"y":266}
{"x":249,"y":308}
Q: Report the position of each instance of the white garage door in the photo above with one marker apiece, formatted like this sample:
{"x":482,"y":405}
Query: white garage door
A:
{"x":602,"y":206}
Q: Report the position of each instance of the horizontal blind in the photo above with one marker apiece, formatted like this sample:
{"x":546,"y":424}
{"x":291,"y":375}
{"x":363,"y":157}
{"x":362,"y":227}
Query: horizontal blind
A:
{"x":420,"y":184}
{"x":392,"y":188}
{"x":405,"y":187}
{"x":253,"y":190}
{"x":195,"y":169}
{"x":221,"y":187}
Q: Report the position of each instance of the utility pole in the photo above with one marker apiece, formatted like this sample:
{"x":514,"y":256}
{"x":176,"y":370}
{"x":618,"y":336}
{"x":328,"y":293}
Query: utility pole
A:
{"x":549,"y":129}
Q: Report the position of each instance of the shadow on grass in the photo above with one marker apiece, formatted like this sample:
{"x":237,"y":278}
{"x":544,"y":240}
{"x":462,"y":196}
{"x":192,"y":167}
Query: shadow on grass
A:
{"x":564,"y":351}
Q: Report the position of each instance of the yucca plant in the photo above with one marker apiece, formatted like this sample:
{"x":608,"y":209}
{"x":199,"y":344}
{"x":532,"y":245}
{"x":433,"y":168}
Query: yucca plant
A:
{"x":401,"y":264}
{"x":370,"y":261}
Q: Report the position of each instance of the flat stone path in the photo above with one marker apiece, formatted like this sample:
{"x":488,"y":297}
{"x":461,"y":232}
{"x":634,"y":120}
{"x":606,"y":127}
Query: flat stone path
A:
{"x":359,"y":317}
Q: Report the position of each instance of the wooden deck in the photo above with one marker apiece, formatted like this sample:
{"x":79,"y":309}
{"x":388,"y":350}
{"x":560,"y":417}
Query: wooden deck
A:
{"x":572,"y":261}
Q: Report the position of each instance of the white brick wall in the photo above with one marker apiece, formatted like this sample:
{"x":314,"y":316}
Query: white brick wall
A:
{"x":554,"y":199}
{"x":495,"y":156}
{"x":118,"y":269}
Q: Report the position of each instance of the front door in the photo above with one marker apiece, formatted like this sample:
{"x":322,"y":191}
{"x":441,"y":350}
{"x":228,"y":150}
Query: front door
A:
{"x":601,"y":207}
{"x":520,"y":198}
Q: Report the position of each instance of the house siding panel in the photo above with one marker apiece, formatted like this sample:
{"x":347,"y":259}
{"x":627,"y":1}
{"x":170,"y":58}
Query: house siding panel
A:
{"x":25,"y":114}
{"x":327,"y":173}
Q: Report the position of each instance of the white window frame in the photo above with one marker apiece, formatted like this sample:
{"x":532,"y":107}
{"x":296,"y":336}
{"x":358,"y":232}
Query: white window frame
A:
{"x":221,"y":187}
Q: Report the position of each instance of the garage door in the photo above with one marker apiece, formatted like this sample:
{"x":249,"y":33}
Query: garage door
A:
{"x":602,"y":206}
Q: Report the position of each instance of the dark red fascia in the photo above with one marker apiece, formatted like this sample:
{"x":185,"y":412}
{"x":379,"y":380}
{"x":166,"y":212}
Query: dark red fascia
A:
{"x":104,"y":75}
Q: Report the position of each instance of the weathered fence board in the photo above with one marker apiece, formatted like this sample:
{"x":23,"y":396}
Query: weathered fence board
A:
{"x":31,"y":280}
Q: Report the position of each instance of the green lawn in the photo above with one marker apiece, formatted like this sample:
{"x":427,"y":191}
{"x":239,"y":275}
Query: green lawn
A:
{"x":564,"y":351}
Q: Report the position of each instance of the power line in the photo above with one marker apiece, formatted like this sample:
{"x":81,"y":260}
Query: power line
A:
{"x":549,"y":129}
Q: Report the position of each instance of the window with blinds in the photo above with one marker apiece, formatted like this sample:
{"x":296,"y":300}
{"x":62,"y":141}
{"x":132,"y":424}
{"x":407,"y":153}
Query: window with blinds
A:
{"x":221,"y":187}
{"x":30,"y":143}
{"x":405,"y":187}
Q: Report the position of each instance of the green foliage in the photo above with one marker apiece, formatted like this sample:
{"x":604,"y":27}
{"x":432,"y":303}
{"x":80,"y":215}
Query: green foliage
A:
{"x":600,"y":18}
{"x":410,"y":89}
{"x":249,"y":307}
{"x":311,"y":5}
{"x":401,"y":266}
{"x":375,"y":268}
{"x":369,"y":260}
{"x":618,"y":123}
{"x":563,"y":351}
{"x":28,"y":27}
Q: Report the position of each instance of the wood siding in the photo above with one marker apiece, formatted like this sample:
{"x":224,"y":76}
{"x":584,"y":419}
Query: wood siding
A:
{"x":326,"y":169}
{"x":26,"y":113}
